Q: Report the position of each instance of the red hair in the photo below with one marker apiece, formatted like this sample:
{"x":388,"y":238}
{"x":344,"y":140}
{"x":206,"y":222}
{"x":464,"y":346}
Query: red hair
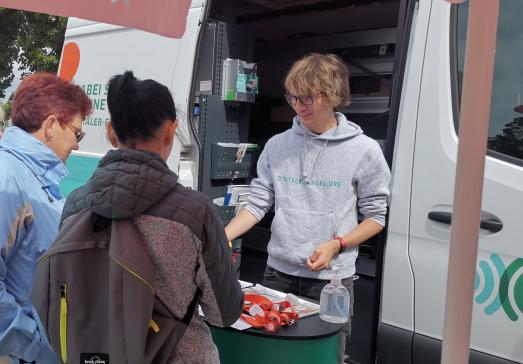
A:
{"x":43,"y":94}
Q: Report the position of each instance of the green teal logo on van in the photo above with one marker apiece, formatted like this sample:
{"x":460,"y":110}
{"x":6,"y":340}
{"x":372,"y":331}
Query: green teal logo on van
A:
{"x":509,"y":294}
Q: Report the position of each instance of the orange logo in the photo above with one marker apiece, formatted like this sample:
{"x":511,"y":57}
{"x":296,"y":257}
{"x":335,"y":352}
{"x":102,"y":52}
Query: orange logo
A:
{"x":70,"y":61}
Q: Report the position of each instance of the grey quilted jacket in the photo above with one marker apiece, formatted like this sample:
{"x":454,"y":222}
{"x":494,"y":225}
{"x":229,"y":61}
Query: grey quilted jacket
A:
{"x":183,"y":235}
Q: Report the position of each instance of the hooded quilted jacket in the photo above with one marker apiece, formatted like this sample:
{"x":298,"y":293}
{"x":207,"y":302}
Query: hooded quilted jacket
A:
{"x":184,"y":238}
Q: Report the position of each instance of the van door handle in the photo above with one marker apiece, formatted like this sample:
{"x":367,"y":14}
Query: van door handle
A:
{"x":492,"y":225}
{"x":440,"y":216}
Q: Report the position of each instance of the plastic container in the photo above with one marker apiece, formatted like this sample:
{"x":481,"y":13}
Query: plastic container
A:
{"x":239,"y":81}
{"x":334,"y":302}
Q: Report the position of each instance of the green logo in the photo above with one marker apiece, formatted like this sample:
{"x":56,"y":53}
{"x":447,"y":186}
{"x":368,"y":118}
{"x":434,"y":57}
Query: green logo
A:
{"x":314,"y":183}
{"x":509,"y":294}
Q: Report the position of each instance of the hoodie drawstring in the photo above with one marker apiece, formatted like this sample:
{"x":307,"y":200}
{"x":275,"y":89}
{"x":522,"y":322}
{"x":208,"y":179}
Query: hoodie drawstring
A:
{"x":304,"y":154}
{"x":324,"y":146}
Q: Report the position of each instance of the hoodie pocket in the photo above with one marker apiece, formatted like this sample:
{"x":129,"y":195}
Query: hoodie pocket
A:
{"x":295,"y":233}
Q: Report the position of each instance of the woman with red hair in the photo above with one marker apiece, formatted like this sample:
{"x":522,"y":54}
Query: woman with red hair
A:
{"x":47,"y":121}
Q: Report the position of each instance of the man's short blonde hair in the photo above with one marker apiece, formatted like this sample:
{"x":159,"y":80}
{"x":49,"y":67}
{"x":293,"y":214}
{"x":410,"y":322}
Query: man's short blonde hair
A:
{"x":320,"y":73}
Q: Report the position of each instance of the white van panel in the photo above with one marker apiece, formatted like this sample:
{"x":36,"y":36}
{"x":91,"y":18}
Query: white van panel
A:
{"x":398,"y":283}
{"x":77,"y":27}
{"x":432,"y":190}
{"x":437,"y":142}
{"x":73,"y":22}
{"x":106,"y":50}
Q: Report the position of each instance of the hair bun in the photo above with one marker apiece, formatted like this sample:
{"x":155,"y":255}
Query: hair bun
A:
{"x":138,"y":107}
{"x":127,"y":83}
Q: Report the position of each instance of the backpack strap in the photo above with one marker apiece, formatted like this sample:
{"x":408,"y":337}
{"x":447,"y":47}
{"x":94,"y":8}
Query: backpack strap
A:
{"x":100,"y":223}
{"x":192,"y":307}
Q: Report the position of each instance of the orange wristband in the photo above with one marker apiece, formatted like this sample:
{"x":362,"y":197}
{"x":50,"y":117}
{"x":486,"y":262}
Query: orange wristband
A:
{"x":343,"y":243}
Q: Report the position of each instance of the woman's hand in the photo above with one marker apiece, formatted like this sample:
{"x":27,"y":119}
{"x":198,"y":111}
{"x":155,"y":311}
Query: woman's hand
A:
{"x":322,"y":255}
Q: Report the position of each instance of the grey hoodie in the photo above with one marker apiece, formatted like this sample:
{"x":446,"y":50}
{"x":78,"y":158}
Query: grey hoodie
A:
{"x":316,"y":182}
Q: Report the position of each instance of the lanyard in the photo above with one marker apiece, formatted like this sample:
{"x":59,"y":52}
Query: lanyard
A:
{"x":261,"y":313}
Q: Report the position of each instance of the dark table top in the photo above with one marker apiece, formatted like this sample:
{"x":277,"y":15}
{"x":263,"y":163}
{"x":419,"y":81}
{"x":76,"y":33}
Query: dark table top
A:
{"x":307,"y":328}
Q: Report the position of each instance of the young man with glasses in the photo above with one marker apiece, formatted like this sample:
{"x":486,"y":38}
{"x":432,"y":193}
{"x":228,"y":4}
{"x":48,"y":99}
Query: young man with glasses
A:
{"x":319,"y":174}
{"x":32,"y":154}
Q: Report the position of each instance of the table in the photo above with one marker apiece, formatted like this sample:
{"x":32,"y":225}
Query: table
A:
{"x":311,"y":340}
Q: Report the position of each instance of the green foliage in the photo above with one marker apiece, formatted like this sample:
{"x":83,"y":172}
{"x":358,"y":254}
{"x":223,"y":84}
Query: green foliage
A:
{"x":41,"y":40}
{"x":33,"y":40}
{"x":9,"y":21}
{"x":8,"y":106}
{"x":510,"y":140}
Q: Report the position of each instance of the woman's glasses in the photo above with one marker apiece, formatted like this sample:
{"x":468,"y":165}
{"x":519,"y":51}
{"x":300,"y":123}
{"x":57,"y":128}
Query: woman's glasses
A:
{"x":78,"y":133}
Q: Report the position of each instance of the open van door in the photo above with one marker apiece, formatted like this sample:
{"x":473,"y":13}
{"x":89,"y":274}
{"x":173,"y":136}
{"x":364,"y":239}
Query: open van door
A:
{"x":498,"y":307}
{"x":164,"y":17}
{"x":94,"y":52}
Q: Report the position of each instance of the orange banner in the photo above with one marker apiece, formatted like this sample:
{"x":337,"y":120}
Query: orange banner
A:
{"x":165,"y":17}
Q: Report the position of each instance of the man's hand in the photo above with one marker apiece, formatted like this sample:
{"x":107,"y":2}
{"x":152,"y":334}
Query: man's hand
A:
{"x":241,"y":223}
{"x":322,"y":255}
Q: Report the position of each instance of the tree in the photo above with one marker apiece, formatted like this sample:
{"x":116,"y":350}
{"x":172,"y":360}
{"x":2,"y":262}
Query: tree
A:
{"x":9,"y":30}
{"x":33,"y":40}
{"x":510,"y":140}
{"x":41,"y":41}
{"x":8,"y":106}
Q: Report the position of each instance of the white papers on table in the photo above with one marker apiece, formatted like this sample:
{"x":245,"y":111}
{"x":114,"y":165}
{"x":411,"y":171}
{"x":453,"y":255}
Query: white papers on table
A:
{"x":303,"y":307}
{"x":240,"y":325}
{"x":244,"y":284}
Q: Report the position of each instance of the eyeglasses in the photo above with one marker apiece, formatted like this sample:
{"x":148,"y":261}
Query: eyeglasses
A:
{"x":78,"y":133}
{"x":305,"y":100}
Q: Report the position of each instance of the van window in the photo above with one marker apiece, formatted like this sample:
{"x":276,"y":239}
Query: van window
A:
{"x":506,"y":114}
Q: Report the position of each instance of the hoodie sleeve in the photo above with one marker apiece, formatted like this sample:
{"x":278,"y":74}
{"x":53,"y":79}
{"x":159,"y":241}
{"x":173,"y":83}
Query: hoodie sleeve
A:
{"x":261,"y":196}
{"x":19,"y":335}
{"x":373,"y":178}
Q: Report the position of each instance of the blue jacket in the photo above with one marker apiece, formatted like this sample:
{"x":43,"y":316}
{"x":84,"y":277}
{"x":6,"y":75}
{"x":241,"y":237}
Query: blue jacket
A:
{"x":30,"y":210}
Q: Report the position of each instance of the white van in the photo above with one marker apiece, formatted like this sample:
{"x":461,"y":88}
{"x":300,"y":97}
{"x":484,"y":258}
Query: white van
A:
{"x":406,"y":62}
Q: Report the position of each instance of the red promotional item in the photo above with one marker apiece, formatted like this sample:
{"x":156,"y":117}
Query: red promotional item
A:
{"x":261,"y":313}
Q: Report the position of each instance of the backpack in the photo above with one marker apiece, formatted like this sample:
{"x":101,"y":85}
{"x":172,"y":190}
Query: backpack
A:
{"x":94,"y":292}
